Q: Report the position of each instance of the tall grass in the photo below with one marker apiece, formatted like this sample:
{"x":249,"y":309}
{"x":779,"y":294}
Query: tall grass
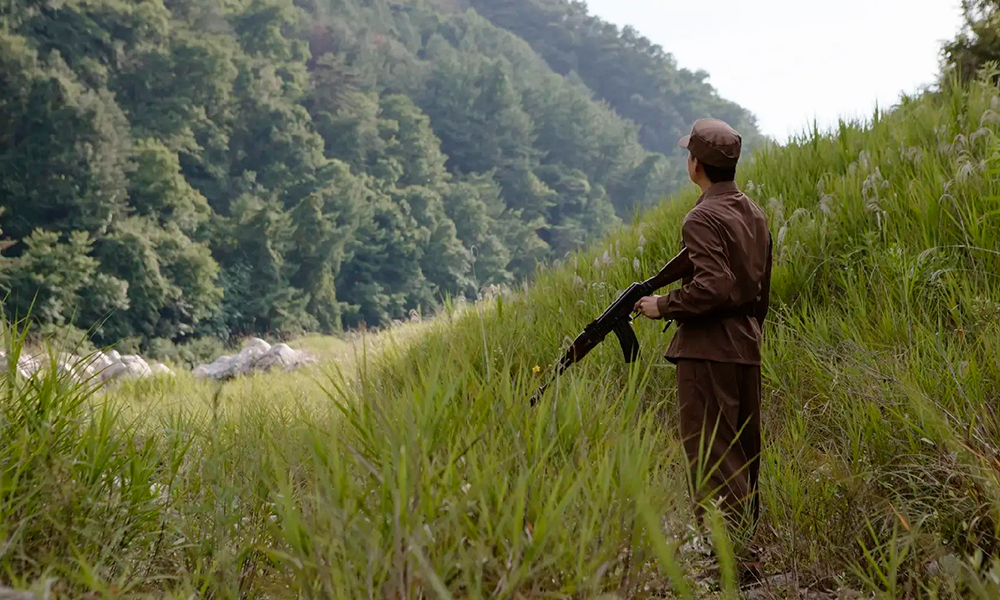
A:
{"x":418,"y":469}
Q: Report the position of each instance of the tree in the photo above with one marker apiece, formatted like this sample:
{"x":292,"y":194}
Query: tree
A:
{"x":64,"y":148}
{"x":180,"y":92}
{"x":484,"y":226}
{"x":95,"y":37}
{"x":324,"y":224}
{"x":979,"y":41}
{"x":444,"y":262}
{"x":584,"y":211}
{"x":383,"y":280}
{"x":158,"y":190}
{"x":172,"y":280}
{"x":635,"y":77}
{"x":413,"y":144}
{"x":251,"y":246}
{"x":57,"y":282}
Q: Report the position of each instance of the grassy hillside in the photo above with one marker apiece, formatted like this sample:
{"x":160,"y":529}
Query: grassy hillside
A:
{"x":881,"y":403}
{"x":420,"y":471}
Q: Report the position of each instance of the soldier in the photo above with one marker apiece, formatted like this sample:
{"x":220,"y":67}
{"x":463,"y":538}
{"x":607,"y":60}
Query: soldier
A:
{"x":720,"y":310}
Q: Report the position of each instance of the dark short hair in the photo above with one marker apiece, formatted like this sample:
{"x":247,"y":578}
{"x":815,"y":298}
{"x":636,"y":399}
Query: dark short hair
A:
{"x":719,"y":174}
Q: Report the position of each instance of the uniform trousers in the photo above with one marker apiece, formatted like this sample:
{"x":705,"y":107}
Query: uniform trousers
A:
{"x":719,"y":405}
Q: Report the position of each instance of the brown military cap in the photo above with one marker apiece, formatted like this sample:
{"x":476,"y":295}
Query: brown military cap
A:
{"x":713,"y":142}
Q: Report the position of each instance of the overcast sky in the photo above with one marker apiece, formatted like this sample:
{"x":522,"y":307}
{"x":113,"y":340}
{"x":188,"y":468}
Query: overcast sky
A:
{"x":790,"y":61}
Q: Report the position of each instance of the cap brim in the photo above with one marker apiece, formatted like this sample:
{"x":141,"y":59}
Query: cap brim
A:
{"x":683,"y":143}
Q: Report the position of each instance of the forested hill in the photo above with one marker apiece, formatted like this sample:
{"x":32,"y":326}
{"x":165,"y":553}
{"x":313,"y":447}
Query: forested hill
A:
{"x":179,"y":168}
{"x":636,"y":77}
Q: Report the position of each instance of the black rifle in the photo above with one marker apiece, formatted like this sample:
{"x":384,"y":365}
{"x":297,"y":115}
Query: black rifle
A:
{"x":617,"y":318}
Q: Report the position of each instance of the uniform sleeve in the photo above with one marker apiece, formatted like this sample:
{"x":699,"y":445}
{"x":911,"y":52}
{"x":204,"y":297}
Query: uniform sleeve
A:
{"x":711,"y":283}
{"x":760,"y":308}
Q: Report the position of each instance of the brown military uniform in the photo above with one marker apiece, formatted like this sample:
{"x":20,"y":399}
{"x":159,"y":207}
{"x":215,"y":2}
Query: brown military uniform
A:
{"x":720,"y":310}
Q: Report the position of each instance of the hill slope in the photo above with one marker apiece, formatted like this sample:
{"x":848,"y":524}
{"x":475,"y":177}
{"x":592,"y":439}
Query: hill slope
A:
{"x":424,"y":470}
{"x":637,"y":78}
{"x":222,"y":168}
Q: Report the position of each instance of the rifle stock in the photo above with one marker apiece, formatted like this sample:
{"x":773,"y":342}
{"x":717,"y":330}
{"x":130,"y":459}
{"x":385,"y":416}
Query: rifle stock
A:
{"x":617,"y":318}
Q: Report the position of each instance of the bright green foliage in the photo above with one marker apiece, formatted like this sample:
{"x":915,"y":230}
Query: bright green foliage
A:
{"x":410,"y":145}
{"x":486,"y":228}
{"x":314,"y":163}
{"x":383,"y":276}
{"x":63,"y":146}
{"x":159,"y":191}
{"x":96,"y":37}
{"x":170,"y":279}
{"x":317,"y":255}
{"x":58,"y":280}
{"x":251,"y":246}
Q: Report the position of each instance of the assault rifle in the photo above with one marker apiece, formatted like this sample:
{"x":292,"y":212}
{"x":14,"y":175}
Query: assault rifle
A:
{"x":617,"y":318}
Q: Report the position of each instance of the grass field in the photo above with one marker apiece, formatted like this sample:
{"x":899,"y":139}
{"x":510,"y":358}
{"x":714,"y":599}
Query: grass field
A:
{"x":417,"y":469}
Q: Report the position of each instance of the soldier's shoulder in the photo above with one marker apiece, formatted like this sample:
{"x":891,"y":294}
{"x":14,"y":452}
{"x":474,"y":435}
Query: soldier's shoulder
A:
{"x":755,"y":206}
{"x":759,"y":215}
{"x":749,"y":197}
{"x":698,"y":214}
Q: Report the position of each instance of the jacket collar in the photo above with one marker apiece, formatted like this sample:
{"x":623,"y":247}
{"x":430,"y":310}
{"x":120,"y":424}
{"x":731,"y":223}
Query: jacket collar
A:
{"x":718,"y":189}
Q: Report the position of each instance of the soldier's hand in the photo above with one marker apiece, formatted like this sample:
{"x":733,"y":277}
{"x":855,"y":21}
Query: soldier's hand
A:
{"x":648,"y":307}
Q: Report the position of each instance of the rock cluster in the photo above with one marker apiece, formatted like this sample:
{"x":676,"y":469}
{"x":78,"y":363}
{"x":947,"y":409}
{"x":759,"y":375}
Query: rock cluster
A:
{"x":256,"y":355}
{"x":98,"y":366}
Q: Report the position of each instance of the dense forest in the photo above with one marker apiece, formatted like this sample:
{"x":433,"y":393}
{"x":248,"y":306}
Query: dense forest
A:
{"x":173,"y":169}
{"x":636,"y":77}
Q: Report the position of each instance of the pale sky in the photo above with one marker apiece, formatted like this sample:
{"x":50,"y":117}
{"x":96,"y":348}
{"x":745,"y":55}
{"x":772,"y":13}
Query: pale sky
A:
{"x":792,"y":61}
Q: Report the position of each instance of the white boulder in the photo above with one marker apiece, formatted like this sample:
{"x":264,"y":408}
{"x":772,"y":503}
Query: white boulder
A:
{"x":92,"y":366}
{"x":98,"y":363}
{"x":70,"y":366}
{"x":96,"y":366}
{"x":128,"y":366}
{"x":284,"y":357}
{"x":160,"y":370}
{"x":257,"y":344}
{"x":26,"y":365}
{"x":135,"y":366}
{"x":220,"y":368}
{"x":256,"y":355}
{"x":202,"y":372}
